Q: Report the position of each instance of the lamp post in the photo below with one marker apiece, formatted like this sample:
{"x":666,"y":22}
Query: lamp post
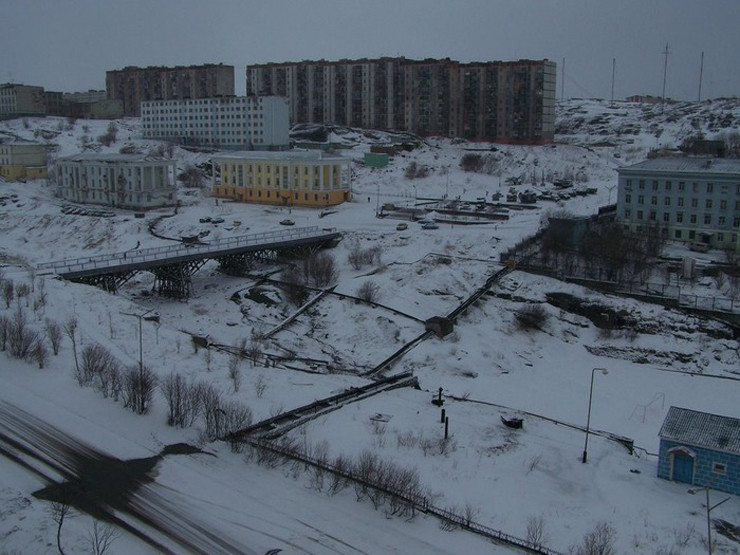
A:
{"x":710,"y":508}
{"x":141,"y":353}
{"x":588,"y":420}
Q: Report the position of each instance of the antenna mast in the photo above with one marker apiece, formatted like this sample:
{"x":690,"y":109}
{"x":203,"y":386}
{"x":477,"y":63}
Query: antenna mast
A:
{"x":614,"y":66}
{"x":701,"y":74}
{"x":562,"y":82}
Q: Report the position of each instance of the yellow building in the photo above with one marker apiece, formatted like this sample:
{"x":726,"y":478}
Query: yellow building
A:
{"x":20,"y":160}
{"x":311,"y":178}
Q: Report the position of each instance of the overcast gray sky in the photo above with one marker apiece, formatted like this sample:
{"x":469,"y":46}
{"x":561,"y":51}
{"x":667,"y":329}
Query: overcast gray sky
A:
{"x":68,"y":45}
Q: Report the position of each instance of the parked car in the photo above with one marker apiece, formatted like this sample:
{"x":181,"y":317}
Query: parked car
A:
{"x":402,"y":226}
{"x":205,"y":220}
{"x":217,"y":221}
{"x":429,"y":225}
{"x":287,"y":222}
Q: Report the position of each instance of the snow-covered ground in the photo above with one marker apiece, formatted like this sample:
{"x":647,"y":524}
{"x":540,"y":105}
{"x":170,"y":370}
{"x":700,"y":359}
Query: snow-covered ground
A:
{"x":487,"y":367}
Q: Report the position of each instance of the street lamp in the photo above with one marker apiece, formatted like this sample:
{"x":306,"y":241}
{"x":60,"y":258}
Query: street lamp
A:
{"x":710,"y":508}
{"x":588,"y":421}
{"x":141,"y":353}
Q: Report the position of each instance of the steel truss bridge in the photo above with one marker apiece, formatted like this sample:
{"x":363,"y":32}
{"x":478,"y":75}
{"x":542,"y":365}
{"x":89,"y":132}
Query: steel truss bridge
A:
{"x":174,"y":265}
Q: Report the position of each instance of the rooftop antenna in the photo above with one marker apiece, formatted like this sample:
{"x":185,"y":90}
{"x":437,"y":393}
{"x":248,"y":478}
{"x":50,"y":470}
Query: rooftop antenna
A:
{"x":701,"y":74}
{"x":665,"y":72}
{"x":614,"y":66}
{"x":562,"y":82}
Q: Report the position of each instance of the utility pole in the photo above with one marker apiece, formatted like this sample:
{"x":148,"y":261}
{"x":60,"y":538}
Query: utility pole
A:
{"x":665,"y":72}
{"x":701,"y":74}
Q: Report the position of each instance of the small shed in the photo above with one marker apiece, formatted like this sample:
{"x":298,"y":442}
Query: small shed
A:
{"x":701,"y":449}
{"x":440,"y":325}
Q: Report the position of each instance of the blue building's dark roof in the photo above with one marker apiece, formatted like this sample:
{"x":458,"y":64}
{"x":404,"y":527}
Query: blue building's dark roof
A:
{"x":702,"y":429}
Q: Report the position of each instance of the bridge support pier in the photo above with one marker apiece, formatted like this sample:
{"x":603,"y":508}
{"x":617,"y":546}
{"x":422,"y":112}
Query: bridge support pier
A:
{"x":174,"y":280}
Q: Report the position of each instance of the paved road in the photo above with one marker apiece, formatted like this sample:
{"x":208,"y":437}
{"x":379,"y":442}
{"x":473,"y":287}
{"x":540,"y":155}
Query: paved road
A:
{"x":122,"y":492}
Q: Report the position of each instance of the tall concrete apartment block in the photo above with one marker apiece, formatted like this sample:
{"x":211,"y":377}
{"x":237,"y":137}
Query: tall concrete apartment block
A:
{"x":134,"y":85}
{"x":512,"y":102}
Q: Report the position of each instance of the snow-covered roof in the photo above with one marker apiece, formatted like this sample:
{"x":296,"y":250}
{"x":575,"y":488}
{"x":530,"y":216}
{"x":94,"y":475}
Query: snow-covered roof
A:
{"x":113,"y":157}
{"x":702,"y":429}
{"x":688,"y":164}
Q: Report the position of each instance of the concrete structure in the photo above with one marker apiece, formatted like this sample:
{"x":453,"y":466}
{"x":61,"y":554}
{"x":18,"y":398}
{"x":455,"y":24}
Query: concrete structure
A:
{"x":701,"y":449}
{"x":91,"y":105}
{"x":20,"y":160}
{"x":230,"y":122}
{"x":21,"y":100}
{"x":133,"y":181}
{"x":494,"y":101}
{"x":134,"y":85}
{"x":310,"y":178}
{"x":688,"y":199}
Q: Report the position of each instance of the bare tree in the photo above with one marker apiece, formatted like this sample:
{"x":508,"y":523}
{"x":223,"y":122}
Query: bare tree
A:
{"x":61,"y":509}
{"x":320,"y":270}
{"x":235,"y":373}
{"x":21,"y":338}
{"x":369,"y":291}
{"x":138,"y":388}
{"x":192,"y":176}
{"x":293,"y":285}
{"x":259,"y":386}
{"x":22,"y":290}
{"x":100,"y":537}
{"x":4,"y":331}
{"x":53,"y":334}
{"x":183,"y":401}
{"x":39,"y":352}
{"x":8,"y":293}
{"x":531,"y":317}
{"x":70,"y":329}
{"x":535,"y":531}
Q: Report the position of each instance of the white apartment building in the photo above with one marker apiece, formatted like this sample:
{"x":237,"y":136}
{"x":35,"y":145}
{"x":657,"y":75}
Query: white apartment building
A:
{"x":21,"y":100}
{"x":133,"y":181}
{"x":687,"y":198}
{"x":233,"y":122}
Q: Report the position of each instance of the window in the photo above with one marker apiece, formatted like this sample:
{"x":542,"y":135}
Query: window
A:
{"x":692,"y":218}
{"x":668,"y":185}
{"x":678,"y":234}
{"x":694,"y":203}
{"x":667,"y":201}
{"x":681,"y":185}
{"x":707,"y":219}
{"x":655,"y":185}
{"x":721,"y":237}
{"x":666,"y":217}
{"x":709,"y":203}
{"x":680,"y":201}
{"x":679,"y":217}
{"x":653,"y":215}
{"x":641,"y":184}
{"x":723,"y":205}
{"x":654,"y":201}
{"x":627,"y":213}
{"x":627,"y":199}
{"x":719,"y":468}
{"x":710,"y":187}
{"x":639,"y":214}
{"x":640,"y":199}
{"x":721,"y":221}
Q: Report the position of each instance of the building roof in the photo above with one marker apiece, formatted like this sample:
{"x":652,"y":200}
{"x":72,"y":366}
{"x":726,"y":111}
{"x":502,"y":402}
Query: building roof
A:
{"x":308,"y":156}
{"x":113,"y":157}
{"x":688,"y":164}
{"x":18,"y":141}
{"x":702,"y":429}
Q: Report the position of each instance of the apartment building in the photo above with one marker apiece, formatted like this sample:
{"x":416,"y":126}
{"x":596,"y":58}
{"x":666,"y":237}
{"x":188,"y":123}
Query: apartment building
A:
{"x":18,"y":100}
{"x":291,"y":178}
{"x":694,"y":199}
{"x":235,"y":122}
{"x":511,"y":102}
{"x":20,"y":160}
{"x":132,"y":181}
{"x":134,"y":85}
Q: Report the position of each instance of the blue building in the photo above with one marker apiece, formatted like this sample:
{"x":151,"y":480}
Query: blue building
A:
{"x":701,"y":449}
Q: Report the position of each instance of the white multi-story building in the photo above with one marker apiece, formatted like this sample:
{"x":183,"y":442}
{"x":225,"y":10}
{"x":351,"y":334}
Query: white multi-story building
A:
{"x":687,"y":198}
{"x":132,"y":181}
{"x":233,"y":122}
{"x":21,"y":100}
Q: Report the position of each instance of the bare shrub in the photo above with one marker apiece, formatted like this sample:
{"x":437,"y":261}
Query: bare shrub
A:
{"x":192,"y":176}
{"x":471,"y":162}
{"x":138,"y":388}
{"x":97,"y":362}
{"x":39,"y":353}
{"x":210,"y":402}
{"x":235,"y":373}
{"x":109,"y":137}
{"x":369,"y":291}
{"x":533,"y":463}
{"x":531,"y":317}
{"x":4,"y":331}
{"x":599,"y":541}
{"x":293,"y":284}
{"x":259,"y":386}
{"x":320,"y":270}
{"x":22,"y":290}
{"x":410,"y":171}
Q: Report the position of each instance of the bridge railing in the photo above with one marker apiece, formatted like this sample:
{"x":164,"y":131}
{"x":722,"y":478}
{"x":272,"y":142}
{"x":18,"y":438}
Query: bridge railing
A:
{"x":172,"y":251}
